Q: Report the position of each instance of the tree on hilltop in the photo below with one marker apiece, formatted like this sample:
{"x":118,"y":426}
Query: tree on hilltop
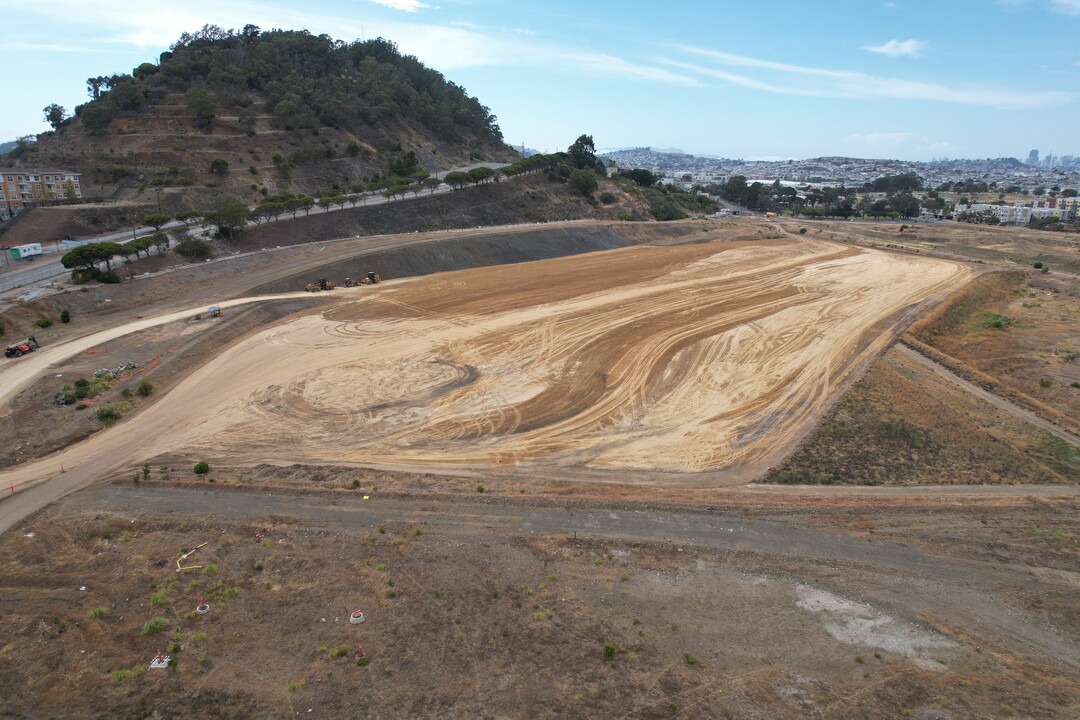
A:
{"x":583,"y":152}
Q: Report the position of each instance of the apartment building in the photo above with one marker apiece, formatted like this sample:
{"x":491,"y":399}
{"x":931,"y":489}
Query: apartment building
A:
{"x":23,"y":187}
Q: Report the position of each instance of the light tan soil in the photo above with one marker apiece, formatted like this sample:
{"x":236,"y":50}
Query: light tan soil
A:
{"x":694,"y":357}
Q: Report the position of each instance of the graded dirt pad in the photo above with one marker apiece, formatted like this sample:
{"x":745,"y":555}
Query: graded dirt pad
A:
{"x":686,"y":358}
{"x":700,"y":357}
{"x":474,"y":610}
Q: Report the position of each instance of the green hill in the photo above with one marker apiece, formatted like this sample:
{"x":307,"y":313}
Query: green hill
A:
{"x":254,"y":113}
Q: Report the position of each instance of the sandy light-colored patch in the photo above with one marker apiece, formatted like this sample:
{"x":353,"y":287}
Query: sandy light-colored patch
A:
{"x":856,"y":623}
{"x":689,"y":358}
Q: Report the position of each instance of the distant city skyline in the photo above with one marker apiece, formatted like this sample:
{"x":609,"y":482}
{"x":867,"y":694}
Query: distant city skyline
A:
{"x":910,"y":80}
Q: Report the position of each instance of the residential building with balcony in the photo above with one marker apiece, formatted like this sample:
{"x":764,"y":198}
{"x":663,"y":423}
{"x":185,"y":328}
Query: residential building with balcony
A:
{"x":24,"y":187}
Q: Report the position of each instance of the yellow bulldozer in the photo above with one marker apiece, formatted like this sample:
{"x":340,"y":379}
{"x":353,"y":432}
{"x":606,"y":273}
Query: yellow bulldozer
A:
{"x":371,"y":279}
{"x":320,"y":284}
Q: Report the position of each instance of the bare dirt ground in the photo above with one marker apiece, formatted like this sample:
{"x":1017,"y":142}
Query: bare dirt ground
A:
{"x":699,"y":357}
{"x":578,"y":585}
{"x":798,"y":606}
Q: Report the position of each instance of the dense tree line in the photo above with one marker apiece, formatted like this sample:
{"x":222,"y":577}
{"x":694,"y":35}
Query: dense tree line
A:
{"x":308,"y":81}
{"x":839,"y":201}
{"x":904,"y":182}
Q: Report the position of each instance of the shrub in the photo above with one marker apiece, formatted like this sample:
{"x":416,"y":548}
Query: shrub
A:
{"x":193,"y":248}
{"x":144,"y":389}
{"x":1045,"y":382}
{"x":43,"y":322}
{"x":607,"y":197}
{"x":108,"y":414}
{"x":153,"y":627}
{"x":689,"y":659}
{"x":201,"y":468}
{"x":609,"y":652}
{"x":339,"y":652}
{"x":583,"y":182}
{"x":362,"y":662}
{"x":96,"y":613}
{"x":258,"y":565}
{"x":1037,"y":265}
{"x":108,"y":277}
{"x":802,"y":231}
{"x":157,"y":598}
{"x":65,"y":316}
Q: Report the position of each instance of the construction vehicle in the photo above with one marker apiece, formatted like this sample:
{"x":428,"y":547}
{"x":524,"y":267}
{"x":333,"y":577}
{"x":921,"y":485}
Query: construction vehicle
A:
{"x":349,"y":282}
{"x":30,"y":344}
{"x":372,"y":279}
{"x":320,"y":284}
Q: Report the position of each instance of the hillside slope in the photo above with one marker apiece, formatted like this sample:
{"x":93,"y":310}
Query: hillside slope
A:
{"x":281,"y":111}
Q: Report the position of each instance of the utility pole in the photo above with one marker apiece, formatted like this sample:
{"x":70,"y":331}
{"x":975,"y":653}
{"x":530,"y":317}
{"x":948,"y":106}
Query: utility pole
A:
{"x":157,"y":191}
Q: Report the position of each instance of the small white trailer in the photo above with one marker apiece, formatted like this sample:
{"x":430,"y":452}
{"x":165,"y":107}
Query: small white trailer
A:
{"x":22,"y":252}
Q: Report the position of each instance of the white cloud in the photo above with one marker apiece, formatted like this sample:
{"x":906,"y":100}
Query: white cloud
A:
{"x":158,"y":25}
{"x":47,"y":47}
{"x":889,"y":5}
{"x":601,"y":64}
{"x":1070,"y":7}
{"x":881,"y":138}
{"x":409,"y":6}
{"x":896,"y":48}
{"x":774,"y":77}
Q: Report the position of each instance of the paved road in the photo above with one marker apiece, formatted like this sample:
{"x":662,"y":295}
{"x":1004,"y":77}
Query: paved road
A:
{"x":43,"y":270}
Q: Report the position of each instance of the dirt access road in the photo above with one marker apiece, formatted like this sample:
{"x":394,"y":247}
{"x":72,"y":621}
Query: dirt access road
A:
{"x":739,"y":612}
{"x":705,"y":361}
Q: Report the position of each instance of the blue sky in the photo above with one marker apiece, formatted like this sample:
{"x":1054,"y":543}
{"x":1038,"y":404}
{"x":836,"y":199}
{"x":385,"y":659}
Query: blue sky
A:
{"x":899,"y":79}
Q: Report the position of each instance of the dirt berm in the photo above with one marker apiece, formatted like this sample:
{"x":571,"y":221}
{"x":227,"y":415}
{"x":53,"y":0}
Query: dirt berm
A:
{"x":470,"y":251}
{"x":526,"y":200}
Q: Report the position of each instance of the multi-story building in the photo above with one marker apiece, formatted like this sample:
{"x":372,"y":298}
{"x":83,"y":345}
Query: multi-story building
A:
{"x":1070,"y":209}
{"x":23,"y":187}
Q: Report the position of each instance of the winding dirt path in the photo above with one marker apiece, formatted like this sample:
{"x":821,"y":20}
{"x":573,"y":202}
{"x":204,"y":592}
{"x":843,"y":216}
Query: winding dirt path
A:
{"x":995,"y":400}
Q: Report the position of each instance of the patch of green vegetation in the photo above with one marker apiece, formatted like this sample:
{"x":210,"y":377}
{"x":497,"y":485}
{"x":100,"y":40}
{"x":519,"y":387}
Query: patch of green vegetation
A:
{"x":110,"y":413}
{"x":96,"y":612}
{"x":987,"y":320}
{"x":154,"y":626}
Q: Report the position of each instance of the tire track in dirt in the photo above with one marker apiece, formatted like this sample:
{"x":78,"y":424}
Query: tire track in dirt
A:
{"x":689,"y":358}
